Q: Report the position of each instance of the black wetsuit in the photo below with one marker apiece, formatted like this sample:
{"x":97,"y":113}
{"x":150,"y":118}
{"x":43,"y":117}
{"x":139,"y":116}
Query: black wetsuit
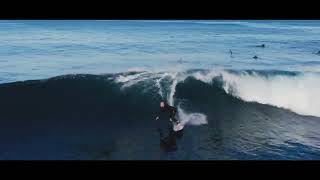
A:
{"x":168,"y":142}
{"x":171,"y":112}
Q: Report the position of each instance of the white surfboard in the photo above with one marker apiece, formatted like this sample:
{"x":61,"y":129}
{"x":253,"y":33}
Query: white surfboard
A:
{"x":177,"y":127}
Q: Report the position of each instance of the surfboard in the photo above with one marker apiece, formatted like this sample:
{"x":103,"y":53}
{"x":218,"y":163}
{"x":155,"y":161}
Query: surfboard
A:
{"x":177,"y":127}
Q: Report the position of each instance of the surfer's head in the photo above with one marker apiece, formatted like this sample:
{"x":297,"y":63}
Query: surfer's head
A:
{"x":162,"y":104}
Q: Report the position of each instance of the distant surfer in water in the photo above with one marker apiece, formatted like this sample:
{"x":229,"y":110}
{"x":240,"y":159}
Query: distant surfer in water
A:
{"x":262,"y":45}
{"x":165,"y":107}
{"x":230,"y":53}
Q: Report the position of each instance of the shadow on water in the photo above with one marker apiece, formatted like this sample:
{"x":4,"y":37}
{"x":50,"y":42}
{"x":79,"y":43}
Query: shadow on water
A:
{"x":95,"y":151}
{"x":169,"y":143}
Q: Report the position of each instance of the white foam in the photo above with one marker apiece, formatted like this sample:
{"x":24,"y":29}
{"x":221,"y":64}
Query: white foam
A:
{"x":172,"y":89}
{"x":123,"y":78}
{"x":206,"y":77}
{"x":195,"y":119}
{"x":176,"y":78}
{"x":158,"y":83}
{"x":129,"y":80}
{"x":298,"y":93}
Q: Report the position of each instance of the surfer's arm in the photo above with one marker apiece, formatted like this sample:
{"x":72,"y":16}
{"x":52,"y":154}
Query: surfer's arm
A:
{"x":159,"y":112}
{"x":158,"y":115}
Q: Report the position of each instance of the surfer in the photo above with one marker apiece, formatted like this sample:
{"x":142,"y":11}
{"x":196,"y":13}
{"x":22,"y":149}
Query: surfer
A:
{"x":262,"y":45}
{"x":165,"y":107}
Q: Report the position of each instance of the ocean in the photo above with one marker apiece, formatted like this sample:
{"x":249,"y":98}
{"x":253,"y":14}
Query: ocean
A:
{"x":90,"y":89}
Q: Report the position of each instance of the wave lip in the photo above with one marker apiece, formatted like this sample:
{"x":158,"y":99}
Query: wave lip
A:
{"x":298,"y":92}
{"x":292,"y":90}
{"x":295,"y":91}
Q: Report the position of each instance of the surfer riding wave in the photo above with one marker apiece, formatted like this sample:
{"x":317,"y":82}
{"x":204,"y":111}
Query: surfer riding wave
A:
{"x":165,"y":107}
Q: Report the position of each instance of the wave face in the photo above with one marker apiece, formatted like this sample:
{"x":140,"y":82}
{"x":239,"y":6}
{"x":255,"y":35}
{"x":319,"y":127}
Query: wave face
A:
{"x":227,"y":115}
{"x":295,"y":91}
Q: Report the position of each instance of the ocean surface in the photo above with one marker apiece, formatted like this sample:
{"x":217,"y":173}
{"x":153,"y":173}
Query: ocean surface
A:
{"x":91,"y":89}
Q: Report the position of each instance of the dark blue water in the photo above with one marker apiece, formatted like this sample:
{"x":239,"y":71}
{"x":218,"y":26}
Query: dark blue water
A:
{"x":111,"y":76}
{"x":112,"y":117}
